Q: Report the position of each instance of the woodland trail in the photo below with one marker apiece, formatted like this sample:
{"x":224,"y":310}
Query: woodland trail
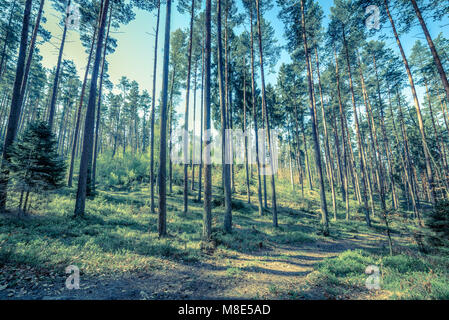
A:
{"x":237,"y":275}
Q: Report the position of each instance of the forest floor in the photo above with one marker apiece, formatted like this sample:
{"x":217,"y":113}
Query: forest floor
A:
{"x":274,"y":271}
{"x":119,"y":259}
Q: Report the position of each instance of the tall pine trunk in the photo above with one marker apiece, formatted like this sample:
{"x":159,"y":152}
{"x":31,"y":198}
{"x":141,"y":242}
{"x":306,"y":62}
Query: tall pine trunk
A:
{"x":433,"y":50}
{"x":162,"y":221}
{"x":429,"y":172}
{"x":245,"y":132}
{"x":326,"y":138}
{"x":224,"y":138}
{"x":153,"y":106}
{"x":97,"y":124}
{"x":5,"y":43}
{"x":16,"y":106}
{"x":86,"y":156}
{"x":200,"y":171}
{"x":207,"y":213}
{"x":54,"y":94}
{"x":186,"y":114}
{"x":324,"y":214}
{"x":31,"y":49}
{"x":267,"y":120}
{"x":256,"y":131}
{"x":76,"y":131}
{"x":363,"y":171}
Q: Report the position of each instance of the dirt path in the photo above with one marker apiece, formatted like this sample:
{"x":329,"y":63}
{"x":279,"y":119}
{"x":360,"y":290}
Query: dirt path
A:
{"x":238,"y":275}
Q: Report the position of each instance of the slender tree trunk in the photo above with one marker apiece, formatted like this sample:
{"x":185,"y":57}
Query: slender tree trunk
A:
{"x":433,"y":50}
{"x":31,"y":49}
{"x":162,"y":221}
{"x":407,"y":174}
{"x":153,"y":106}
{"x":439,"y":143}
{"x":86,"y":156}
{"x":224,"y":138}
{"x":245,"y":132}
{"x":326,"y":138}
{"x":385,"y":138}
{"x":363,"y":171}
{"x":54,"y":94}
{"x":79,"y":113}
{"x":301,"y":178}
{"x":417,"y":106}
{"x":345,"y":147}
{"x":200,"y":171}
{"x":207,"y":214}
{"x":337,"y":148}
{"x":256,"y":131}
{"x":5,"y":43}
{"x":193,"y":157}
{"x":324,"y":214}
{"x":26,"y":201}
{"x":374,"y":142}
{"x":170,"y":129}
{"x":16,"y":106}
{"x":186,"y":114}
{"x":97,"y":125}
{"x":267,"y":120}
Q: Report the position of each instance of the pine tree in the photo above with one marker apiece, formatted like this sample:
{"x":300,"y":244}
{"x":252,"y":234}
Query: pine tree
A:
{"x":34,"y":161}
{"x":437,"y":222}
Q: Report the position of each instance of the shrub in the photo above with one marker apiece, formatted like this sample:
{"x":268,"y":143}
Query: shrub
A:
{"x":437,"y":223}
{"x":349,"y":263}
{"x":34,"y":161}
{"x":122,"y":172}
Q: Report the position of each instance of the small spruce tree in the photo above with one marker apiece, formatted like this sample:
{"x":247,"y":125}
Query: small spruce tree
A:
{"x":437,"y":223}
{"x":34,"y":163}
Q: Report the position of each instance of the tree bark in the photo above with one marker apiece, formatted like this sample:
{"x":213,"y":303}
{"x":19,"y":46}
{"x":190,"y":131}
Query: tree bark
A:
{"x":16,"y":106}
{"x":267,"y":120}
{"x":224,"y":140}
{"x":433,"y":50}
{"x":417,"y":106}
{"x":97,"y":125}
{"x":54,"y":94}
{"x":363,"y":171}
{"x":78,"y":115}
{"x":5,"y":43}
{"x":86,"y":156}
{"x":186,"y":114}
{"x":256,"y":131}
{"x":245,"y":132}
{"x":324,"y":214}
{"x":326,"y":138}
{"x":31,"y":49}
{"x":162,"y":221}
{"x":200,"y":171}
{"x":207,"y":213}
{"x":345,"y":150}
{"x":153,"y":106}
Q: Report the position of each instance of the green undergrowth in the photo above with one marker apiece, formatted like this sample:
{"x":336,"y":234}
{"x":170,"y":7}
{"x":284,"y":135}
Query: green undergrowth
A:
{"x":401,"y":276}
{"x":118,"y":233}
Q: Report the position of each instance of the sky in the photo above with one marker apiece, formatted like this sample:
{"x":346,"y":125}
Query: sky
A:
{"x":134,"y":54}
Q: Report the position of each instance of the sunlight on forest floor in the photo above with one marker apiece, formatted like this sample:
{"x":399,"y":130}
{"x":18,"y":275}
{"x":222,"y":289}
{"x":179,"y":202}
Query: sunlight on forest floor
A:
{"x":117,"y":249}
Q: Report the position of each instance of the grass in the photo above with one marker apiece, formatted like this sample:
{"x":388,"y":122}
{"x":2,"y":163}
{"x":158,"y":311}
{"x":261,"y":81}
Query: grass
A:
{"x":401,"y":277}
{"x":114,"y":236}
{"x":119,"y":235}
